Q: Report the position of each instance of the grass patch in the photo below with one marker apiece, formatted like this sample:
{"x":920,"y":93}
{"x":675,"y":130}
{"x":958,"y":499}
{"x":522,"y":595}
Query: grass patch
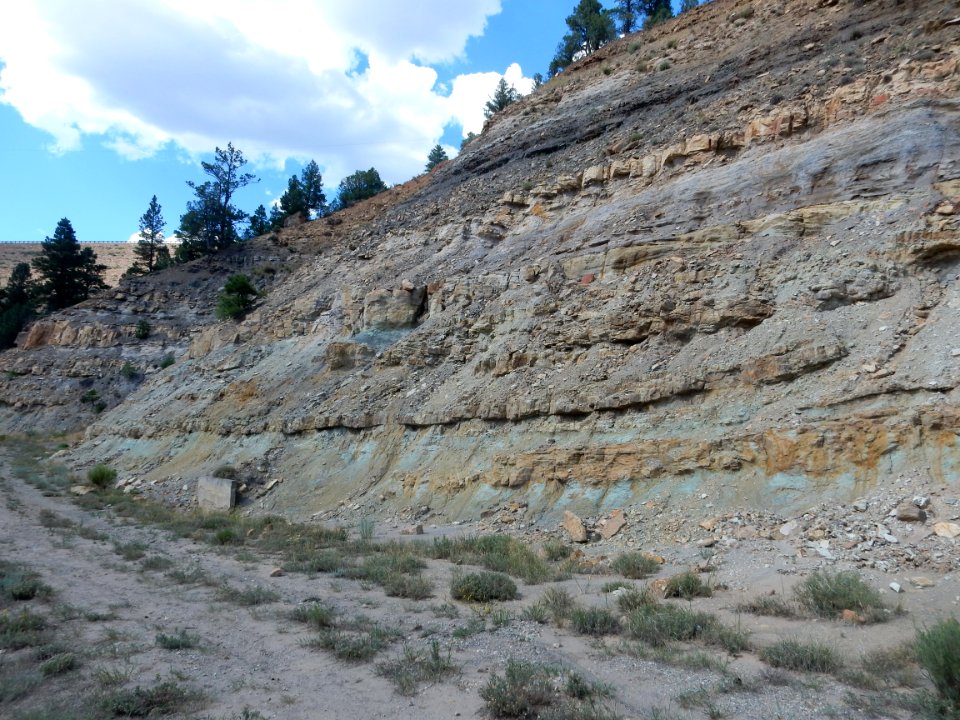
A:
{"x":535,"y":613}
{"x":157,"y":563}
{"x":658,"y":625}
{"x":938,"y":651}
{"x":164,"y":698}
{"x":101,"y":476}
{"x":414,"y":667}
{"x":499,"y":553}
{"x":686,"y":586}
{"x":248,"y":597}
{"x":131,"y":551}
{"x":768,"y":605}
{"x":179,"y":641}
{"x":614,"y":586}
{"x":359,"y":641}
{"x":18,"y":685}
{"x":316,"y":615}
{"x":24,"y":629}
{"x":636,"y":598}
{"x":60,"y":664}
{"x":594,"y":621}
{"x":532,"y":690}
{"x":827,"y":594}
{"x":802,"y":656}
{"x":635,"y":565}
{"x":19,"y":584}
{"x":555,"y":551}
{"x":483,"y":587}
{"x":558,"y":604}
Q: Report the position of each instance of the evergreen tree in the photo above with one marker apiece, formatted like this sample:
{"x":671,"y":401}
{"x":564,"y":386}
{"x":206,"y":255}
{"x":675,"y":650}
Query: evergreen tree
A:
{"x":16,"y":305}
{"x":504,"y":96}
{"x":276,"y":217}
{"x":591,"y":27}
{"x":293,"y":202}
{"x":537,"y":81}
{"x":656,"y":11}
{"x":311,"y":182}
{"x":259,"y":224}
{"x":68,"y":273}
{"x":237,"y":298}
{"x":151,"y":251}
{"x":359,"y":186}
{"x":628,"y":13}
{"x":436,"y":156}
{"x":686,"y":5}
{"x":210,"y":221}
{"x":471,"y":136}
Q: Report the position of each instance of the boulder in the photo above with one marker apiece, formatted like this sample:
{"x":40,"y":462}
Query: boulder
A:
{"x":613,"y":525}
{"x":215,"y":493}
{"x":390,"y":310}
{"x":574,"y":527}
{"x":908,"y":512}
{"x":947,"y":530}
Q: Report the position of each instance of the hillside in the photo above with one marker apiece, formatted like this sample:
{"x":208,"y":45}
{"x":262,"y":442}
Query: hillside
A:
{"x":118,"y":257}
{"x":717,"y":259}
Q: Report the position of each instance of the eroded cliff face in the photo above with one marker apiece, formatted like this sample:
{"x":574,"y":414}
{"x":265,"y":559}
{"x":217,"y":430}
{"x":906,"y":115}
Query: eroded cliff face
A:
{"x":736,"y":274}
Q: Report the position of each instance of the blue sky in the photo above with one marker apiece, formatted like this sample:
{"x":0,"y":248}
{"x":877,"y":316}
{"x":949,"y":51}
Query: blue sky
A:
{"x":106,"y":103}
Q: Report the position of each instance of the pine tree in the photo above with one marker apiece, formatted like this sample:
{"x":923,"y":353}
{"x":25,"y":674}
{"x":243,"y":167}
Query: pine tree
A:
{"x":628,"y":12}
{"x":210,"y":221}
{"x":68,"y":273}
{"x":591,"y":27}
{"x":16,"y":305}
{"x":436,"y":156}
{"x":656,"y":11}
{"x":293,"y":202}
{"x":259,"y":224}
{"x":686,"y":5}
{"x":359,"y":186}
{"x":311,"y":182}
{"x":504,"y":96}
{"x":276,"y":217}
{"x":150,"y":249}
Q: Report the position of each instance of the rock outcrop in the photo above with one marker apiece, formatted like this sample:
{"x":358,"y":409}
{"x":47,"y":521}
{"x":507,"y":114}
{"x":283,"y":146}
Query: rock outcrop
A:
{"x":738,"y":272}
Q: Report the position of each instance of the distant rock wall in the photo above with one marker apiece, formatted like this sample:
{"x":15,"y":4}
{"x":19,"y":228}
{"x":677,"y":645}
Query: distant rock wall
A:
{"x":737,"y":275}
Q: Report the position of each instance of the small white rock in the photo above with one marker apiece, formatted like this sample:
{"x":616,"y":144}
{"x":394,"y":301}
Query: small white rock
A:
{"x":896,"y":587}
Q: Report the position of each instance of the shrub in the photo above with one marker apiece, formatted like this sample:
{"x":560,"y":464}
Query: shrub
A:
{"x":130,"y":371}
{"x":365,"y":529}
{"x":558,"y":603}
{"x":556,"y":551}
{"x":635,"y":565}
{"x":142,"y":331}
{"x":635,"y":598}
{"x":594,"y":621}
{"x":181,"y":641}
{"x":59,"y":664}
{"x":22,"y":630}
{"x":767,"y":605}
{"x":938,"y":650}
{"x":827,"y":594}
{"x":659,"y":624}
{"x":236,"y":299}
{"x":413,"y":587}
{"x":499,"y":553}
{"x":315,"y":615}
{"x":532,"y":690}
{"x":101,"y":476}
{"x":163,"y":699}
{"x":687,"y":585}
{"x":411,"y":668}
{"x":803,"y":656}
{"x":483,"y":587}
{"x":166,"y":362}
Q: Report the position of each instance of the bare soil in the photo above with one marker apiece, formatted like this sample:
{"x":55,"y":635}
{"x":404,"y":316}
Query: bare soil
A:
{"x":251,"y":660}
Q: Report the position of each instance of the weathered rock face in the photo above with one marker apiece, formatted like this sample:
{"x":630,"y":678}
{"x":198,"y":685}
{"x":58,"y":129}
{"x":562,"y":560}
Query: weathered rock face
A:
{"x":737,"y":274}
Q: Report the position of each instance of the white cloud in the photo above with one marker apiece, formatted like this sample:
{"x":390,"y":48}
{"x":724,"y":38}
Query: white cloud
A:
{"x":342,"y":82}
